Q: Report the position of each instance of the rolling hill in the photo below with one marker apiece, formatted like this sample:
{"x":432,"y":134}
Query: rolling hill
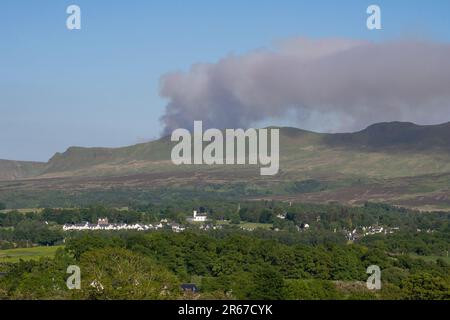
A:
{"x":12,"y":170}
{"x":400,"y":158}
{"x":395,"y":135}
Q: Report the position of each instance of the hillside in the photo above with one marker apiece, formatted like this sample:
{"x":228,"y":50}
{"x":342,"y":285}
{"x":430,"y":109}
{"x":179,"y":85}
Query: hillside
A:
{"x":395,"y":135}
{"x":12,"y":170}
{"x":382,"y":150}
{"x":104,"y":161}
{"x":394,"y":162}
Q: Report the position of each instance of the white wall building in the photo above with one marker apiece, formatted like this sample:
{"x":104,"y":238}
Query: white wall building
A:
{"x":199,"y":217}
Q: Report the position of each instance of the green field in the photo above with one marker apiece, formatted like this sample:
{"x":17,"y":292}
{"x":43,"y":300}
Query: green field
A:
{"x":15,"y":255}
{"x":249,"y":225}
{"x":254,"y":225}
{"x":23,"y":210}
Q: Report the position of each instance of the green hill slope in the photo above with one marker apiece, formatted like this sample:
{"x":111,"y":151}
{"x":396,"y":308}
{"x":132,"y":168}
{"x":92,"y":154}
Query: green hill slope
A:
{"x":385,"y":150}
{"x":395,"y":135}
{"x":398,"y":163}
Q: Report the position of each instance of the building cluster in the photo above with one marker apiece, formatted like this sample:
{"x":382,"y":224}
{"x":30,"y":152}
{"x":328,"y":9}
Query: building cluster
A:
{"x":376,"y":229}
{"x":427,"y":230}
{"x":103,"y":224}
{"x":367,"y":231}
{"x":111,"y":226}
{"x":207,"y":227}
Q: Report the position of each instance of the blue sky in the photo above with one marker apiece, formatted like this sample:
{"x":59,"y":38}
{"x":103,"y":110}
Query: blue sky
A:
{"x":99,"y":86}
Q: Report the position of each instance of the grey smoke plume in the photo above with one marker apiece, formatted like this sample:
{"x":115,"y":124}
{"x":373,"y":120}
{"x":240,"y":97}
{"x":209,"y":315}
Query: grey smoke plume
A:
{"x":330,"y":85}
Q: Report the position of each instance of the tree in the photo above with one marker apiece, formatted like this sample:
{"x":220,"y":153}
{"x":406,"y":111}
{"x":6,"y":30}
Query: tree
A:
{"x":36,"y":232}
{"x":115,"y":273}
{"x":235,"y":218}
{"x":298,"y":289}
{"x":424,"y":286}
{"x":268,"y":284}
{"x":394,"y":275}
{"x":32,"y":280}
{"x":266,"y":216}
{"x":87,"y":242}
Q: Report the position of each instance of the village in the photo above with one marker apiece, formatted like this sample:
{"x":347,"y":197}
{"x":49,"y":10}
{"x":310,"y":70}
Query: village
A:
{"x":363,"y":231}
{"x":201,"y":221}
{"x":105,"y":225}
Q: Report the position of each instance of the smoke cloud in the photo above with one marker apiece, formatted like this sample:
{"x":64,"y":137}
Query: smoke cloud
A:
{"x":325,"y":85}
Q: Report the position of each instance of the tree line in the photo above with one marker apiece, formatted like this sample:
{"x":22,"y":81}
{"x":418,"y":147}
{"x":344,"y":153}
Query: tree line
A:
{"x":231,"y":266}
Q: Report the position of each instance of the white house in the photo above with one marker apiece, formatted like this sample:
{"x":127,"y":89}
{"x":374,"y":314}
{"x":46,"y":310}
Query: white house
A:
{"x":199,"y":217}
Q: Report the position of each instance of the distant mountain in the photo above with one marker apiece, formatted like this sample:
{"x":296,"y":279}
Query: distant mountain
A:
{"x":78,"y":158}
{"x":12,"y":170}
{"x":392,"y":149}
{"x":403,"y":135}
{"x":398,"y":163}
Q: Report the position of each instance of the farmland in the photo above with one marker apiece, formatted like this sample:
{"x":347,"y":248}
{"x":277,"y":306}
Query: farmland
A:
{"x":26,"y":254}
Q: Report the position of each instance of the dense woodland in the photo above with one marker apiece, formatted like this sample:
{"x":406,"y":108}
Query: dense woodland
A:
{"x":281,"y":262}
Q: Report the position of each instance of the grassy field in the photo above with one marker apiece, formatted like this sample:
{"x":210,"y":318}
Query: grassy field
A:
{"x":15,"y":255}
{"x":249,"y":225}
{"x":253,"y":225}
{"x":24,"y":210}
